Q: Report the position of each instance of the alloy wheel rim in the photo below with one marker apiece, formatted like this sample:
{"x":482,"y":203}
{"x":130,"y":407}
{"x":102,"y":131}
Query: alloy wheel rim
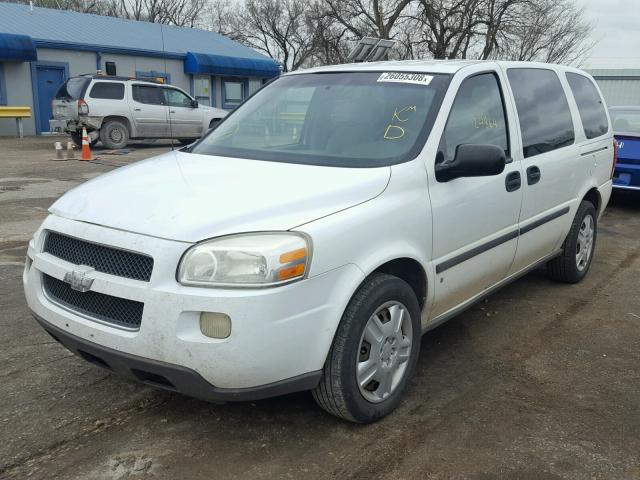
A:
{"x":584,"y":245}
{"x":116,"y":135}
{"x":384,"y":351}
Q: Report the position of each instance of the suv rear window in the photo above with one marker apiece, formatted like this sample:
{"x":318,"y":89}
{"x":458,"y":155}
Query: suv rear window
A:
{"x":72,"y":89}
{"x":107,"y":90}
{"x":592,"y":114}
{"x":543,"y":110}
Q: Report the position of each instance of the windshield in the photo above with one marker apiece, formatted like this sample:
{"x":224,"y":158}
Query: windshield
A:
{"x":625,"y":121}
{"x":72,"y":89}
{"x":339,"y":119}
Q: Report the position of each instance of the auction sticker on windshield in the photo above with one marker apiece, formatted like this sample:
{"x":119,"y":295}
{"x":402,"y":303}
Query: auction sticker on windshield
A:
{"x":398,"y":77}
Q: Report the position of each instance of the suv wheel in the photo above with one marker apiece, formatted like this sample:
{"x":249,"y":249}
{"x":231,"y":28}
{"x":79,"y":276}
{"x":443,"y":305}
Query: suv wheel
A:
{"x":114,"y":134}
{"x":578,"y":247}
{"x":374,"y":352}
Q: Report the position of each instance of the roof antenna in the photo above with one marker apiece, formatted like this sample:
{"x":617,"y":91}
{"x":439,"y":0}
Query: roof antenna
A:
{"x":164,"y":55}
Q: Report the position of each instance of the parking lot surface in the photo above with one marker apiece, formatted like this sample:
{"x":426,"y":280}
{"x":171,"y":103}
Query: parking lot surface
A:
{"x":540,"y":381}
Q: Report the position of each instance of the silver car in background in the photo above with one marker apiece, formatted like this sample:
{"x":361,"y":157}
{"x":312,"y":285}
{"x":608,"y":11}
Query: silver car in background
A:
{"x":115,"y":110}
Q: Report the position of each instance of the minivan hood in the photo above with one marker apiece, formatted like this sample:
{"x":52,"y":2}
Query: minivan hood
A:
{"x":188,"y":197}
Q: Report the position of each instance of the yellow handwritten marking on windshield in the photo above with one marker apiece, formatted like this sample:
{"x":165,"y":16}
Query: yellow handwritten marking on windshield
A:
{"x":396,"y":113}
{"x":399,"y":132}
{"x":394,"y":132}
{"x":484,"y":122}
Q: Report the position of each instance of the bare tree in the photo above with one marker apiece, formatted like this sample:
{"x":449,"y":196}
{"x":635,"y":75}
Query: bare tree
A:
{"x":546,"y":30}
{"x":279,"y":28}
{"x":375,"y":18}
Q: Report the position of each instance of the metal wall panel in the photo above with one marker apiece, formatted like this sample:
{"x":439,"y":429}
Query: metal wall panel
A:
{"x":619,"y":92}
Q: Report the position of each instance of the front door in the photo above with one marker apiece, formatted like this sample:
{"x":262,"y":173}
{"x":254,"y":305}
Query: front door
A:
{"x":48,"y":81}
{"x":185,"y":119}
{"x":475,"y":219}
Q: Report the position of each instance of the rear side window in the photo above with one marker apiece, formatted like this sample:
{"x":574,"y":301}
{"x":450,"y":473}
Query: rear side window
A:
{"x":592,"y":114}
{"x":477,"y":116}
{"x":148,"y":94}
{"x":72,"y":89}
{"x":107,"y":90}
{"x":543,"y":110}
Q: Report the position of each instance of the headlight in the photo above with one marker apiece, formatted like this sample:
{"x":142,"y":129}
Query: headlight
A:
{"x":246,"y":260}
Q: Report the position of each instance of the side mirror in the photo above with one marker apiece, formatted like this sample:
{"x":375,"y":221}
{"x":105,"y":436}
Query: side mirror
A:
{"x":472,"y":161}
{"x":194,"y":103}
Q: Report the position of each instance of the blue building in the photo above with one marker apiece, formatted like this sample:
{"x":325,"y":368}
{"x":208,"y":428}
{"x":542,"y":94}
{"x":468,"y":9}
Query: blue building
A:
{"x":40,"y":48}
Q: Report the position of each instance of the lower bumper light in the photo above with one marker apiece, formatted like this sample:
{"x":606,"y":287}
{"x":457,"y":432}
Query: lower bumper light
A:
{"x":215,"y":325}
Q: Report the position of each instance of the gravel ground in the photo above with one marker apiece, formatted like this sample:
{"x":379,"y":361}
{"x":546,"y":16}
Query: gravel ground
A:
{"x":541,"y":381}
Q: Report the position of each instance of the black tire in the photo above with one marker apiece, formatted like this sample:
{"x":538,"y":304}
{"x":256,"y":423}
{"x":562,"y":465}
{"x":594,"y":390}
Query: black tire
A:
{"x":338,"y":392}
{"x":77,"y":139}
{"x":565,"y":268}
{"x":186,"y":141}
{"x":114,"y":134}
{"x":214,"y":123}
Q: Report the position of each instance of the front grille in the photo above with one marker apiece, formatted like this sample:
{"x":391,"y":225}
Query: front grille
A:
{"x":104,"y":259}
{"x":106,"y":308}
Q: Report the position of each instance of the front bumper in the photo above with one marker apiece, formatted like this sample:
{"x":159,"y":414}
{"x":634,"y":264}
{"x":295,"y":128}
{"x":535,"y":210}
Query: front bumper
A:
{"x":173,"y":377}
{"x":277,"y":333}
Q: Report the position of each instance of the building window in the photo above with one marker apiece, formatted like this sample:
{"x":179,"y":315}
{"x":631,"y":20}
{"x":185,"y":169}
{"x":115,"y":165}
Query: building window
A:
{"x":110,"y":68}
{"x":202,"y":89}
{"x":233,"y":92}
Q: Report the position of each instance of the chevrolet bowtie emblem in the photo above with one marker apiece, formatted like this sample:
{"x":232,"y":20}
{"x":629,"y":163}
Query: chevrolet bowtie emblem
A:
{"x":78,"y":279}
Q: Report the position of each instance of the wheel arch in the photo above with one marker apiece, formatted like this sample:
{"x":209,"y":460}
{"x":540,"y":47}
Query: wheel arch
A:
{"x":119,"y":118}
{"x":593,"y":196}
{"x":411,"y":271}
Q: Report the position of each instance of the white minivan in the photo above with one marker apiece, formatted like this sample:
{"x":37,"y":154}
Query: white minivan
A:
{"x":311,"y":239}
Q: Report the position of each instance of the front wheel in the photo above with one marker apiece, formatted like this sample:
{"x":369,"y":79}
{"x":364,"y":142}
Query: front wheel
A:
{"x":374,"y":352}
{"x":577,"y":250}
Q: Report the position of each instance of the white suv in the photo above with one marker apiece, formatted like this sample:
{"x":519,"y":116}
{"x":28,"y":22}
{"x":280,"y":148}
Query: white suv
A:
{"x":311,"y":239}
{"x":117,"y":109}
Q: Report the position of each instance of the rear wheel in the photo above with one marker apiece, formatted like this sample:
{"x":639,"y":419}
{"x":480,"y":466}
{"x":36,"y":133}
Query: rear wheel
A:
{"x":578,"y":247}
{"x":214,"y":123}
{"x":187,"y":141}
{"x":114,"y":134}
{"x":374,"y":352}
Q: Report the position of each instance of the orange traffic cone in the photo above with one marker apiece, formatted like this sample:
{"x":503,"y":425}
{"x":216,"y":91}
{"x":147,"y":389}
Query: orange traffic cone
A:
{"x":86,"y":151}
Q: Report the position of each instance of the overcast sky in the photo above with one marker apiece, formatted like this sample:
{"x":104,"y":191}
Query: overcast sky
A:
{"x":617,"y":33}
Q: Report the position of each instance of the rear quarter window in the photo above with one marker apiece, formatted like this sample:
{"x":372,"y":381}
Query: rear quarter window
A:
{"x":72,"y":89}
{"x":590,"y":105}
{"x":543,"y":110}
{"x":107,"y":90}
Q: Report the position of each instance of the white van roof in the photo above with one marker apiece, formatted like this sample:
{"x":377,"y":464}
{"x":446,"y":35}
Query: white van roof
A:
{"x":427,"y":66}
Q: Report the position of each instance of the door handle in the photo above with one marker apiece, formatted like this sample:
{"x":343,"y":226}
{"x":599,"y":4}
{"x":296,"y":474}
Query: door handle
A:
{"x":172,"y":111}
{"x":137,"y":109}
{"x":533,"y":175}
{"x":513,"y":181}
